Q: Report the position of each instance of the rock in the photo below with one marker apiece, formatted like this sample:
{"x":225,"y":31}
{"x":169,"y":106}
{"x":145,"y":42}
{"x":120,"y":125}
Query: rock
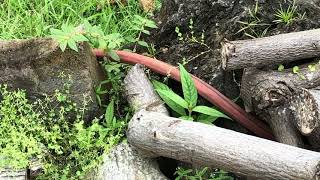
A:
{"x":35,"y":65}
{"x":126,"y":163}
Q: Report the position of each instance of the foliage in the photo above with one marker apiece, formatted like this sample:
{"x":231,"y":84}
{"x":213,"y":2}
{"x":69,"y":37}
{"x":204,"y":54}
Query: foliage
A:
{"x":202,"y":174}
{"x":189,"y":102}
{"x":286,"y":16}
{"x":22,"y":19}
{"x":254,"y":26}
{"x":53,"y":131}
{"x":191,"y":38}
{"x":70,"y":36}
{"x":281,"y":68}
{"x":296,"y":70}
{"x":140,"y":25}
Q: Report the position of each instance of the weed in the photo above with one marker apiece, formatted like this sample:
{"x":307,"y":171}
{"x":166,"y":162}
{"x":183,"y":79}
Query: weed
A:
{"x":192,"y":38}
{"x":22,"y":19}
{"x":189,"y":102}
{"x":252,"y":27}
{"x":53,"y":131}
{"x":286,"y":16}
{"x":189,"y":174}
{"x":140,"y":24}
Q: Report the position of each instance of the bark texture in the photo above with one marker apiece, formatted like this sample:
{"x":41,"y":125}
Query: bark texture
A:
{"x":271,"y":50}
{"x":306,"y":109}
{"x":10,"y":174}
{"x":213,"y":146}
{"x":124,"y":162}
{"x":268,"y":94}
{"x":281,"y":120}
{"x":140,"y":93}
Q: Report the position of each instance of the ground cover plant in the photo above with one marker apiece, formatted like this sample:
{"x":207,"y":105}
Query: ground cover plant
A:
{"x":53,"y":132}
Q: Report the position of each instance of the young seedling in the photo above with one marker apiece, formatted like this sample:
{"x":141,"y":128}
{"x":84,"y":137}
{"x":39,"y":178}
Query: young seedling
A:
{"x":286,"y":16}
{"x":187,"y":105}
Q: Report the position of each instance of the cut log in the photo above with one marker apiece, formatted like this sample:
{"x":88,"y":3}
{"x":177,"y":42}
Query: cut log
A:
{"x":268,"y":94}
{"x":124,"y":162}
{"x":271,"y":50}
{"x":10,"y":174}
{"x":305,"y":105}
{"x":140,"y":93}
{"x":214,"y":146}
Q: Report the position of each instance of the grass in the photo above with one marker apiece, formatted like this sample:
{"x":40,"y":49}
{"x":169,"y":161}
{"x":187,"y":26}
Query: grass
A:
{"x":286,"y":16}
{"x":24,"y":19}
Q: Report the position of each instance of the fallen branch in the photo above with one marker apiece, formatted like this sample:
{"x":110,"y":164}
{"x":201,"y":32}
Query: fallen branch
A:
{"x":204,"y":89}
{"x":218,"y":147}
{"x":271,"y":50}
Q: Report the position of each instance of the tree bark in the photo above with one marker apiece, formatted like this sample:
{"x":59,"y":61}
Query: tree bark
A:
{"x":305,"y":105}
{"x":271,"y":50}
{"x":280,"y":120}
{"x":268,"y":94}
{"x":213,"y":146}
{"x":125,"y":162}
{"x":140,"y":93}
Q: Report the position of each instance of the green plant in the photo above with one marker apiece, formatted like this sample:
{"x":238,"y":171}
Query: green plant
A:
{"x":189,"y":102}
{"x":281,"y":68}
{"x":202,"y":174}
{"x":23,"y":19}
{"x":286,"y":16}
{"x":191,"y":38}
{"x":296,"y":70}
{"x":70,"y":36}
{"x":140,"y":24}
{"x":53,"y":131}
{"x":254,"y":26}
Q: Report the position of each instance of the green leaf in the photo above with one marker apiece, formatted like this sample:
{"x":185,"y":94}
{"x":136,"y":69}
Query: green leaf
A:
{"x":174,"y":101}
{"x":146,"y":32}
{"x":57,"y":32}
{"x":206,"y":119}
{"x":108,"y":116}
{"x":73,"y":45}
{"x":312,"y":67}
{"x":151,"y":24}
{"x":189,"y":90}
{"x":159,"y":85}
{"x":281,"y":68}
{"x":79,"y":38}
{"x":142,"y":43}
{"x":188,"y":118}
{"x":131,"y":39}
{"x":209,"y":111}
{"x":113,"y":55}
{"x":63,"y":45}
{"x":295,"y":69}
